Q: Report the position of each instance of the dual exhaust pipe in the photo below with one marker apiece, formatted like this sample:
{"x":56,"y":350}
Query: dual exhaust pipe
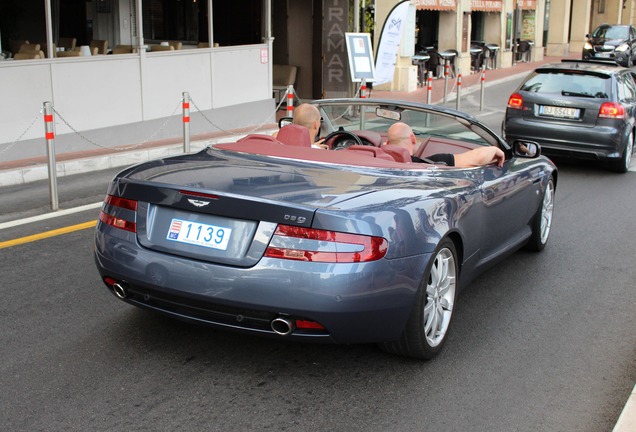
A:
{"x":281,"y":326}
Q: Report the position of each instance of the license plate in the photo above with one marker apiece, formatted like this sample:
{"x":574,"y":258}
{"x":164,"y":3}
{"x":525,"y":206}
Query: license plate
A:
{"x":199,"y":234}
{"x":561,"y":112}
{"x":603,"y":55}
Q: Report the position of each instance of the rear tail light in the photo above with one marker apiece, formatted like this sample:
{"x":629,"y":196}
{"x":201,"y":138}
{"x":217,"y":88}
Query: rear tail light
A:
{"x":307,"y":244}
{"x":515,"y":101}
{"x":611,"y":110}
{"x":116,"y":221}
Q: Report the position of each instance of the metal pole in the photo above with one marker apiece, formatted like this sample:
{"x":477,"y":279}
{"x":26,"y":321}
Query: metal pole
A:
{"x":429,"y":87}
{"x":49,"y":29}
{"x":364,"y":16}
{"x":446,"y":69}
{"x":211,"y":24}
{"x":186,"y":122}
{"x":483,"y":86}
{"x":459,"y":90}
{"x":356,"y":16}
{"x":140,"y":27}
{"x":49,"y":130}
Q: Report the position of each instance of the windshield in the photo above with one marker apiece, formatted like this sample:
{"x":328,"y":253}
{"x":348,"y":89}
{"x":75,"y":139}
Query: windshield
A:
{"x":611,"y":32}
{"x":378,"y":118}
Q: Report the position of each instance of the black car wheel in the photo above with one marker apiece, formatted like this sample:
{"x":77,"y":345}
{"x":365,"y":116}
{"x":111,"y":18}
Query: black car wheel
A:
{"x":622,"y":165}
{"x":427,"y":327}
{"x":542,"y":221}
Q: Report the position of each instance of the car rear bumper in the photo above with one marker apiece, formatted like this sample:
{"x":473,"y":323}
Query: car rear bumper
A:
{"x":597,"y":143}
{"x":356,"y":303}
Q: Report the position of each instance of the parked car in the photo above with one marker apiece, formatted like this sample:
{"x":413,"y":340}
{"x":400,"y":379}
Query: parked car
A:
{"x":612,"y":42}
{"x":577,"y":109}
{"x":353,"y":244}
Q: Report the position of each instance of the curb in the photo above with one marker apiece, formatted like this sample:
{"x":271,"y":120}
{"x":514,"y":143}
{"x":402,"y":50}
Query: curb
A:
{"x":627,"y":420}
{"x":23,"y":175}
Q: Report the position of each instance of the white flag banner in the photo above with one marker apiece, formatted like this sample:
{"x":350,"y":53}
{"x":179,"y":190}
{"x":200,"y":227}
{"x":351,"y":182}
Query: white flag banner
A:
{"x":386,"y":55}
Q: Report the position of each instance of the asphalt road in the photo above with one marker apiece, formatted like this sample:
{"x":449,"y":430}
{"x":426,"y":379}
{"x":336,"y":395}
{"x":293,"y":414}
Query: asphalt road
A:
{"x":542,"y":342}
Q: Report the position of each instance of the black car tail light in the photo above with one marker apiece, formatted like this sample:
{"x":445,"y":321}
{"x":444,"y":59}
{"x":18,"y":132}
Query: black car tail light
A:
{"x":611,"y":110}
{"x":307,"y":244}
{"x":515,"y":101}
{"x":115,"y":221}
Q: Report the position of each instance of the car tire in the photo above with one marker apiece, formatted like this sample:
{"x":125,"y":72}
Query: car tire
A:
{"x":542,"y":221}
{"x":622,"y":165}
{"x":427,"y":327}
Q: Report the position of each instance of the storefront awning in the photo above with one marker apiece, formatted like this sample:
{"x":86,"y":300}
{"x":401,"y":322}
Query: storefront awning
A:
{"x":527,"y":4}
{"x":485,"y":5}
{"x":437,"y":5}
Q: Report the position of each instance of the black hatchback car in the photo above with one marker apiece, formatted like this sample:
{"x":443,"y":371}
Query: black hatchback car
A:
{"x":576,"y":109}
{"x":612,"y":42}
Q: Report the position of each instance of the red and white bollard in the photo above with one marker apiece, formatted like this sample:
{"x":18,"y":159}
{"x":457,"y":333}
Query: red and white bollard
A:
{"x":459,"y":90}
{"x":363,"y":89}
{"x":290,"y":101}
{"x":429,"y":87}
{"x":186,"y":122}
{"x":446,"y":73}
{"x":483,"y":86}
{"x":49,"y":134}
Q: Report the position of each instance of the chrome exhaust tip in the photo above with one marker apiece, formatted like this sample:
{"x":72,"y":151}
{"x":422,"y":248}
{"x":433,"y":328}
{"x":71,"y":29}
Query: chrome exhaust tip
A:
{"x":120,"y":291}
{"x":283,"y":326}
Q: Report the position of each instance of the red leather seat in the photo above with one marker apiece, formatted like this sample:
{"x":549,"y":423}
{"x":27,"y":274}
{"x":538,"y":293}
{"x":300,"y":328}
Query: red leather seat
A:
{"x":399,"y":153}
{"x":294,"y":135}
{"x":375,"y":152}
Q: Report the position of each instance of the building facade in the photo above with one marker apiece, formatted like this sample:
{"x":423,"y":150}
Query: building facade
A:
{"x":518,"y":30}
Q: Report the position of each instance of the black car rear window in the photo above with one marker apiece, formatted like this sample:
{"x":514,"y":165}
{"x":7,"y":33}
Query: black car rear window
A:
{"x":568,"y":84}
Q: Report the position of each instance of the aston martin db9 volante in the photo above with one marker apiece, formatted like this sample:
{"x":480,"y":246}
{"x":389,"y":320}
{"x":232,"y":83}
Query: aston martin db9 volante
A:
{"x":350,"y":244}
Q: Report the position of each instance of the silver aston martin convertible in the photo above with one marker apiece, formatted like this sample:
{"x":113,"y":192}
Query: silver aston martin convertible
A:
{"x":351,"y":244}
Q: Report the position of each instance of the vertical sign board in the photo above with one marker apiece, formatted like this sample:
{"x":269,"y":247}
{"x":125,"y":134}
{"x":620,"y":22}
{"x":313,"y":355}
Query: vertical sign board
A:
{"x":390,"y":38}
{"x":360,"y":55}
{"x":335,"y":82}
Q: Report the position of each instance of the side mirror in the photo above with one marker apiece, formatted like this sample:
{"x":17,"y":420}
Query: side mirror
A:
{"x":284,"y":121}
{"x":526,"y":149}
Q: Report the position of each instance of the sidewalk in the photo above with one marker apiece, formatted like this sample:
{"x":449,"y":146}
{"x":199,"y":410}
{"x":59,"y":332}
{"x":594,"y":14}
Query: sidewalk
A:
{"x":89,"y":159}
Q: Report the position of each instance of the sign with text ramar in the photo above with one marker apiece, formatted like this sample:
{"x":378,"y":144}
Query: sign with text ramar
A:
{"x":335,"y":82}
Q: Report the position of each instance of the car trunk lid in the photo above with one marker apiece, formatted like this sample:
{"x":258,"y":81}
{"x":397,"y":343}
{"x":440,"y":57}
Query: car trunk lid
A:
{"x":225,"y":210}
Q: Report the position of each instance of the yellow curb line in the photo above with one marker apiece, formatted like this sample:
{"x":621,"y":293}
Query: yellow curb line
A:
{"x":47,"y":234}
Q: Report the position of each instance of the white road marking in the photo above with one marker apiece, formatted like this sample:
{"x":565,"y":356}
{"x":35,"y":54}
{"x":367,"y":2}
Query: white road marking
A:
{"x":51,"y":215}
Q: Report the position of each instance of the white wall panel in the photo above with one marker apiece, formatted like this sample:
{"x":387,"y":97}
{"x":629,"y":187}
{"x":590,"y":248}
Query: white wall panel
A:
{"x":24,"y":87}
{"x":240,"y":76}
{"x":166,"y":75}
{"x":105,"y":91}
{"x":97,"y":92}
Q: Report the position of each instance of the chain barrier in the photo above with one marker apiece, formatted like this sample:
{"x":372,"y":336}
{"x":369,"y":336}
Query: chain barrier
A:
{"x":132,"y":146}
{"x":268,"y":119}
{"x":13,"y":144}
